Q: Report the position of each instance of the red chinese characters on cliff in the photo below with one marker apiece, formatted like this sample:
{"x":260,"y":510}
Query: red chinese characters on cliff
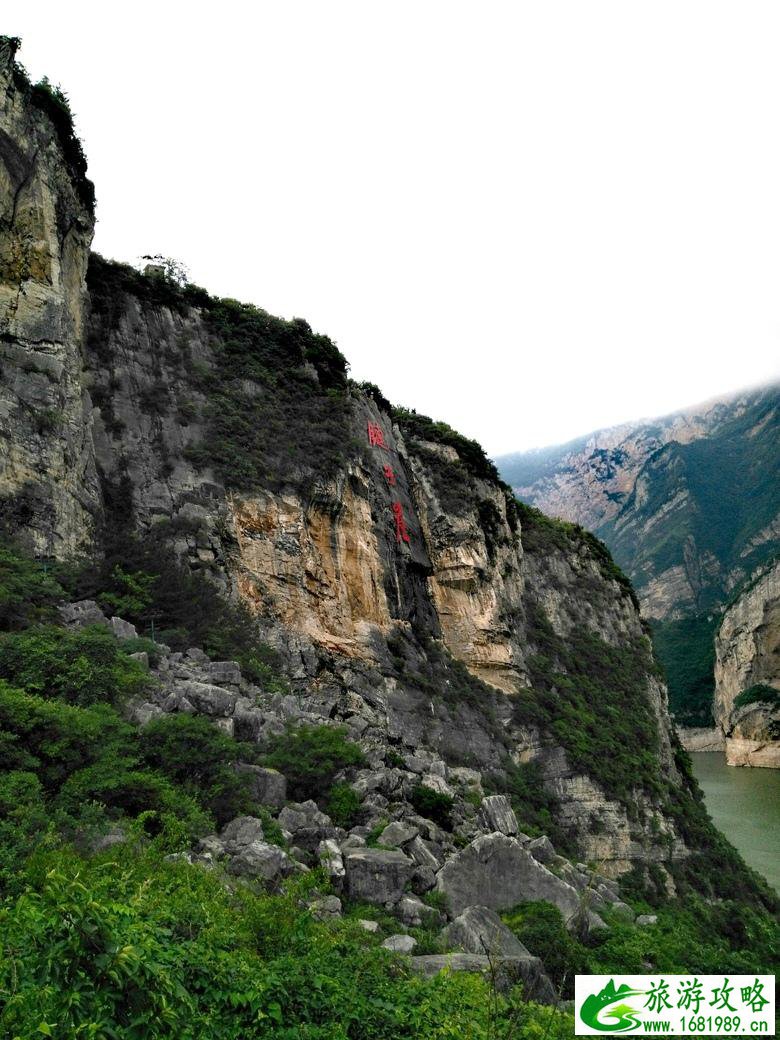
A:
{"x":389,"y":475}
{"x":401,"y":534}
{"x":376,"y":439}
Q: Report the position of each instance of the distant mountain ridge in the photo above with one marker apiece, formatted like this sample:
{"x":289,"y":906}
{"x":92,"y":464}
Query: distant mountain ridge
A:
{"x":710,"y":473}
{"x":689,"y":505}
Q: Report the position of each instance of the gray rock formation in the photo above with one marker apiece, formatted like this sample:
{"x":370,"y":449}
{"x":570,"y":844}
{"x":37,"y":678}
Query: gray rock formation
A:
{"x":376,"y":875}
{"x":747,"y":658}
{"x":498,"y":872}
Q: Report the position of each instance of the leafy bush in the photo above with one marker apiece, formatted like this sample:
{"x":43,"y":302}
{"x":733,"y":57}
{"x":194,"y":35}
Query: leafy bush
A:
{"x":81,"y":667}
{"x":23,"y":821}
{"x":126,"y":791}
{"x":28,"y":590}
{"x":198,"y":757}
{"x":433,"y":805}
{"x":139,"y":947}
{"x":343,"y":805}
{"x":686,"y":649}
{"x":541,"y":927}
{"x":54,"y":739}
{"x":310,"y":757}
{"x":593,"y":699}
{"x":142,"y":581}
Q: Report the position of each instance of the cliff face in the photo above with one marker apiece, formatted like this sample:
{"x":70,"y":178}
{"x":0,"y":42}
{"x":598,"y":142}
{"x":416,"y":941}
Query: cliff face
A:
{"x":747,"y":671}
{"x":48,"y":478}
{"x":378,"y":551}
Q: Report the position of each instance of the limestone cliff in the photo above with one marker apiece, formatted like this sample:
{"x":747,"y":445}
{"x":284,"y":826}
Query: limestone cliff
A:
{"x":48,"y":479}
{"x":408,"y":594}
{"x":747,"y":674}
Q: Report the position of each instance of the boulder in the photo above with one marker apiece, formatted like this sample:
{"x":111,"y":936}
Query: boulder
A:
{"x":84,"y":612}
{"x":224,"y":673}
{"x":424,"y":853}
{"x":377,"y":875}
{"x":496,"y":871}
{"x":307,"y":825}
{"x":480,"y":930}
{"x":243,"y":830}
{"x":497,"y":814}
{"x":542,"y":849}
{"x":368,"y":926}
{"x":122,"y":629}
{"x":400,"y":943}
{"x":326,"y":908}
{"x":329,"y":855}
{"x":208,"y":699}
{"x":643,"y":920}
{"x":507,"y":972}
{"x":267,"y":786}
{"x":261,"y":860}
{"x":398,"y":833}
{"x":411,"y":910}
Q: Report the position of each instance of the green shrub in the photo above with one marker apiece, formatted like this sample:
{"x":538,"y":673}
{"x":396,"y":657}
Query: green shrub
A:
{"x":343,"y":805}
{"x":138,"y":947}
{"x":310,"y":757}
{"x":23,"y":822}
{"x":143,"y":582}
{"x":28,"y":589}
{"x":81,"y":667}
{"x":542,"y":929}
{"x":686,"y":649}
{"x":198,"y":757}
{"x":433,"y":805}
{"x":54,"y":739}
{"x":131,"y":792}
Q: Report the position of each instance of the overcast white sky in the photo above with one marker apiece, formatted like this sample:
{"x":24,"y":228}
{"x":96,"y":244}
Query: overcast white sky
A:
{"x":528,"y":219}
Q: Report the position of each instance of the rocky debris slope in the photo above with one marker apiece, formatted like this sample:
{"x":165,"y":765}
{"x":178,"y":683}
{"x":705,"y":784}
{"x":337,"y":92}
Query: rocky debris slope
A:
{"x":747,"y":674}
{"x":448,"y":876}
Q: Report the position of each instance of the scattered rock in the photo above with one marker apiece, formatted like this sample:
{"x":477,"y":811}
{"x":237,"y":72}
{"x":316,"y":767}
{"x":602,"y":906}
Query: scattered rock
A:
{"x":123,"y":630}
{"x":398,"y":833}
{"x":261,"y":860}
{"x":480,"y":930}
{"x":377,"y":875}
{"x":368,"y":926}
{"x":327,"y":908}
{"x":267,"y":786}
{"x":496,"y":871}
{"x":643,"y":920}
{"x":498,"y":815}
{"x":400,"y":943}
{"x":243,"y":830}
{"x":507,"y":972}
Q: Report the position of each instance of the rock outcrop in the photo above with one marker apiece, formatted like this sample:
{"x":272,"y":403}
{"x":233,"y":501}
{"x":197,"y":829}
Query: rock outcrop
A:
{"x":747,"y":674}
{"x":48,"y":479}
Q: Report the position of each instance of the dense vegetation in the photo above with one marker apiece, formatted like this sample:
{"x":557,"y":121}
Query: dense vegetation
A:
{"x":142,"y":581}
{"x":693,"y":939}
{"x":758,"y":693}
{"x":686,"y":647}
{"x":592,"y":697}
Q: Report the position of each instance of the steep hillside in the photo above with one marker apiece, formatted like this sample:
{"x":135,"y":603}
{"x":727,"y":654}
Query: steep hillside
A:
{"x":256,"y":626}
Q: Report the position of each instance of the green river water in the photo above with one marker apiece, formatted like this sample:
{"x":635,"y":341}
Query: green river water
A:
{"x":745,"y":805}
